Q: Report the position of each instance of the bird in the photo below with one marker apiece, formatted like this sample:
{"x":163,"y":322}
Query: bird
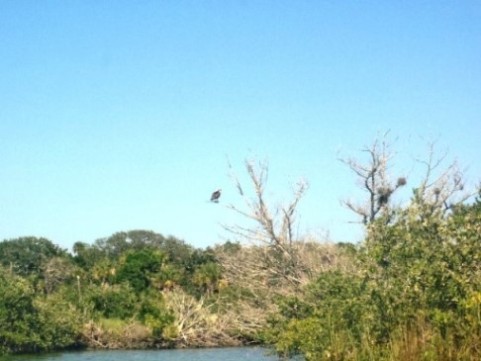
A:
{"x":215,"y":196}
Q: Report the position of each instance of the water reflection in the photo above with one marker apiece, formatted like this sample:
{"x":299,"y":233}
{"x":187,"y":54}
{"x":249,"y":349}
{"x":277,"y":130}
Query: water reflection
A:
{"x":220,"y":354}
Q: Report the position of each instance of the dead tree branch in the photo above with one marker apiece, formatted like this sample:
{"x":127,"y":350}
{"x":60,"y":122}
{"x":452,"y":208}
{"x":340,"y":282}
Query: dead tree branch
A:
{"x":441,"y":189}
{"x":374,"y":179}
{"x":273,"y":227}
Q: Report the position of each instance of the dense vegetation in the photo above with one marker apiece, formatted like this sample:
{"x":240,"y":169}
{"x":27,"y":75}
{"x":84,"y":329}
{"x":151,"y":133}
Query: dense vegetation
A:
{"x":133,"y":289}
{"x":410,"y":291}
{"x":414,"y":294}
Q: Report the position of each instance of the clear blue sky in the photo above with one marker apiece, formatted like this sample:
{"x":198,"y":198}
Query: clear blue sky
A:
{"x":119,"y":115}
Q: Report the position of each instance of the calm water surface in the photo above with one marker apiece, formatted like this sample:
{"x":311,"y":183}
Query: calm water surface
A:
{"x":217,"y":354}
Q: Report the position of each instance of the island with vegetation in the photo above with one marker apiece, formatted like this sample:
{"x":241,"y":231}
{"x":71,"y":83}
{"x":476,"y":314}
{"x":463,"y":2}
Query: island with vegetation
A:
{"x":411,"y":290}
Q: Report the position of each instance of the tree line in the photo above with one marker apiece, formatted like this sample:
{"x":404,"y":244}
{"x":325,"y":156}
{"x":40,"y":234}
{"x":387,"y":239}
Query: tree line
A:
{"x":410,"y":290}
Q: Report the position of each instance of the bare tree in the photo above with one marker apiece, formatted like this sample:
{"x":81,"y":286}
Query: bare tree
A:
{"x":274,"y":227}
{"x":441,"y":189}
{"x":373,"y":177}
{"x":438,"y":191}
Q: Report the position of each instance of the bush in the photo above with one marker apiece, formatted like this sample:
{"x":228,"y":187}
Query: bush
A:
{"x":414,"y":296}
{"x":30,"y":325}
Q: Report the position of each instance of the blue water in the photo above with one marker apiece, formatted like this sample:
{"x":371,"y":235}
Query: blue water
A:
{"x":214,"y":354}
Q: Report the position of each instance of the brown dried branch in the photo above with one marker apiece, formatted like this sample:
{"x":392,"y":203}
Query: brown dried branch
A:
{"x":196,"y":326}
{"x":272,"y":228}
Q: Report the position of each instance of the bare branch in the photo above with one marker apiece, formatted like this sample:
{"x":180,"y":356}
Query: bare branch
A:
{"x":440,"y":189}
{"x":273,"y":226}
{"x":374,"y":179}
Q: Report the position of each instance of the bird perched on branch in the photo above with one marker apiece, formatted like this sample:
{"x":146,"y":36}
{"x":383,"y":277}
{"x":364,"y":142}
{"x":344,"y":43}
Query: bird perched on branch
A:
{"x":215,"y":196}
